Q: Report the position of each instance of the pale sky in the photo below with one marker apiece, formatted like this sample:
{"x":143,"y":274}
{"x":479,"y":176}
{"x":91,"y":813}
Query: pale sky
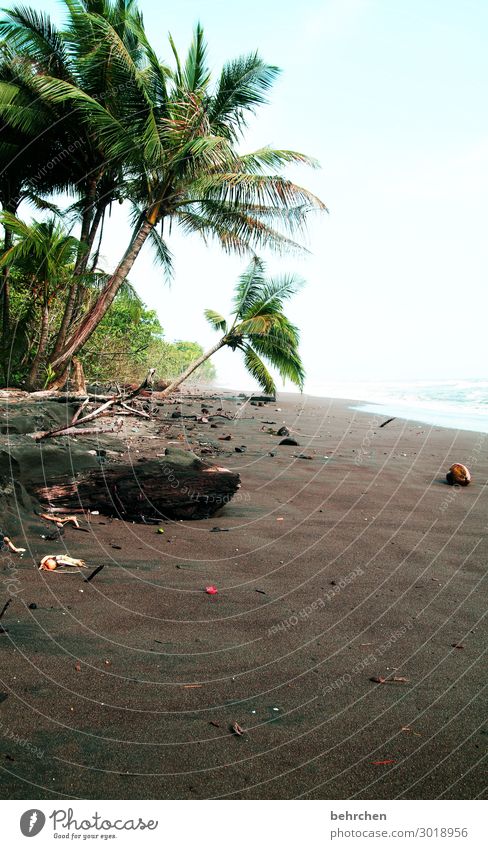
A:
{"x":390,"y":96}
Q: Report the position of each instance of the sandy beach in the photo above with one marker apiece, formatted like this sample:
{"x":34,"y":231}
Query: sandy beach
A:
{"x":355,"y":561}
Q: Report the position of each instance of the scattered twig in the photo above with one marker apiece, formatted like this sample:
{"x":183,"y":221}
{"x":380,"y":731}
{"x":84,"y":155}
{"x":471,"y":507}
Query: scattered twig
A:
{"x":95,"y":572}
{"x":392,"y":679}
{"x":4,"y":608}
{"x":79,"y":411}
{"x":61,"y":520}
{"x":387,"y":422}
{"x":11,"y":547}
{"x":135,"y":412}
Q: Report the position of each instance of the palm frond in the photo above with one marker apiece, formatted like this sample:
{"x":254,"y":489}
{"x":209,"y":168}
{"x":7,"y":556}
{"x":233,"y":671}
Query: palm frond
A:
{"x":216,"y":320}
{"x":196,"y":74}
{"x":242,"y":87}
{"x":258,"y":370}
{"x":33,"y":34}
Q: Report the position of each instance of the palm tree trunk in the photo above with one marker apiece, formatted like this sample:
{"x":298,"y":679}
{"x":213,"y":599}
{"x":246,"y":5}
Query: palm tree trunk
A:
{"x":89,"y":226}
{"x":33,"y":376}
{"x":5,"y":295}
{"x":97,"y":312}
{"x":193,"y":367}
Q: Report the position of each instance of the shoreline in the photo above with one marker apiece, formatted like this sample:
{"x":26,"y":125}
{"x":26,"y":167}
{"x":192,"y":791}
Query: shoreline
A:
{"x":355,"y":566}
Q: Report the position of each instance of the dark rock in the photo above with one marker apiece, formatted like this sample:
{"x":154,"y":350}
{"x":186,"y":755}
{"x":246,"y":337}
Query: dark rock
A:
{"x":289,"y":441}
{"x":283,"y":431}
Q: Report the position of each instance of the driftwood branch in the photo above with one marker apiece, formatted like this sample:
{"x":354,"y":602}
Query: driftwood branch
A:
{"x":68,"y":430}
{"x":77,"y":431}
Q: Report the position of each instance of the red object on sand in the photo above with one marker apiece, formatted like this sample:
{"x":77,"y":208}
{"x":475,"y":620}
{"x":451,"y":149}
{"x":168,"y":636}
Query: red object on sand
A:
{"x":383,"y":763}
{"x":211,"y":590}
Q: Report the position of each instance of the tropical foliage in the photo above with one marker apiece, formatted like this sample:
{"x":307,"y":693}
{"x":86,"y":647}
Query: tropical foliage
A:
{"x":91,"y":112}
{"x":258,"y":328}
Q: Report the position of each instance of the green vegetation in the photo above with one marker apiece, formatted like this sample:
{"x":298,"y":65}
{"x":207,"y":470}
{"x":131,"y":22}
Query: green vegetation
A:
{"x":90,"y":112}
{"x":128,"y":338}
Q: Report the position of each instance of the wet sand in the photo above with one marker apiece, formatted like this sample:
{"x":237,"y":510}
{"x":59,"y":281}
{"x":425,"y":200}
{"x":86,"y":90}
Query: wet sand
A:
{"x":359,"y":563}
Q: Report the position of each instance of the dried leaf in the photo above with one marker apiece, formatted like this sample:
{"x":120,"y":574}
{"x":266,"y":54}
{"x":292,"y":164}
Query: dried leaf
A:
{"x":78,"y":666}
{"x":236,"y":728}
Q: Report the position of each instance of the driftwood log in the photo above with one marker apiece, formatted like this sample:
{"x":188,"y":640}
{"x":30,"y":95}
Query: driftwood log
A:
{"x":178,"y":485}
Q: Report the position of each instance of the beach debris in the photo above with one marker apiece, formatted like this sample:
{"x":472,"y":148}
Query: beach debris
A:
{"x":387,"y":422}
{"x":2,"y":612}
{"x":217,"y":530}
{"x":457,"y":646}
{"x":95,"y":572}
{"x":240,"y":449}
{"x":54,"y":535}
{"x":103,"y":409}
{"x":303,"y":456}
{"x":283,"y":431}
{"x":263,"y":592}
{"x":60,"y":521}
{"x":211,"y":590}
{"x":386,"y":762}
{"x":215,"y":724}
{"x":288,"y":440}
{"x":458,"y":475}
{"x":78,"y":666}
{"x":226,"y":438}
{"x":405,"y":729}
{"x":3,"y":697}
{"x":32,"y":606}
{"x":392,"y":679}
{"x":11,"y":547}
{"x":236,"y":728}
{"x":51,"y":562}
{"x":160,"y":531}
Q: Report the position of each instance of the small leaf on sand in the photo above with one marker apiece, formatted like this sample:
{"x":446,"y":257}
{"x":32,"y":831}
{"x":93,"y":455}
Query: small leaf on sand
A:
{"x":236,"y":728}
{"x":78,"y":666}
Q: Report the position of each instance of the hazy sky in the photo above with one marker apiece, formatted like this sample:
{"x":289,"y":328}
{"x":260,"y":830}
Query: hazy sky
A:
{"x":390,"y":96}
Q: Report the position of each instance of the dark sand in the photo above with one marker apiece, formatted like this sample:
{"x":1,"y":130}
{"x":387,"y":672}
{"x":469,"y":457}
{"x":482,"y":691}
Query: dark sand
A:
{"x":128,"y":685}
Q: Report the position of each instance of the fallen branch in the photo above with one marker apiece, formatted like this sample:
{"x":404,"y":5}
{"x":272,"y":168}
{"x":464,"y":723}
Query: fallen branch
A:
{"x":115,"y":399}
{"x":79,"y":411}
{"x":135,"y":412}
{"x":77,"y":431}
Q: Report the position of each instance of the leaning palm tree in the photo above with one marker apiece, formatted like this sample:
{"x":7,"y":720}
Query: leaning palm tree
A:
{"x":176,"y":137}
{"x":258,"y":328}
{"x":44,"y":253}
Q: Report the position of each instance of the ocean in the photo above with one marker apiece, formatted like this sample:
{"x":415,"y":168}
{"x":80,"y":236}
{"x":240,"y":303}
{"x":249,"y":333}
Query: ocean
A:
{"x":459,"y":404}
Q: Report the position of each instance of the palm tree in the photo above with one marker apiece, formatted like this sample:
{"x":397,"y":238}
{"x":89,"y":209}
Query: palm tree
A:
{"x":259,"y":328}
{"x":45,"y":254}
{"x":176,"y":137}
{"x":58,"y":152}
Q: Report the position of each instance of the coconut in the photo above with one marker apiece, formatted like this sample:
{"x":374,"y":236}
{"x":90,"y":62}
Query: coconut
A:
{"x":458,"y":475}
